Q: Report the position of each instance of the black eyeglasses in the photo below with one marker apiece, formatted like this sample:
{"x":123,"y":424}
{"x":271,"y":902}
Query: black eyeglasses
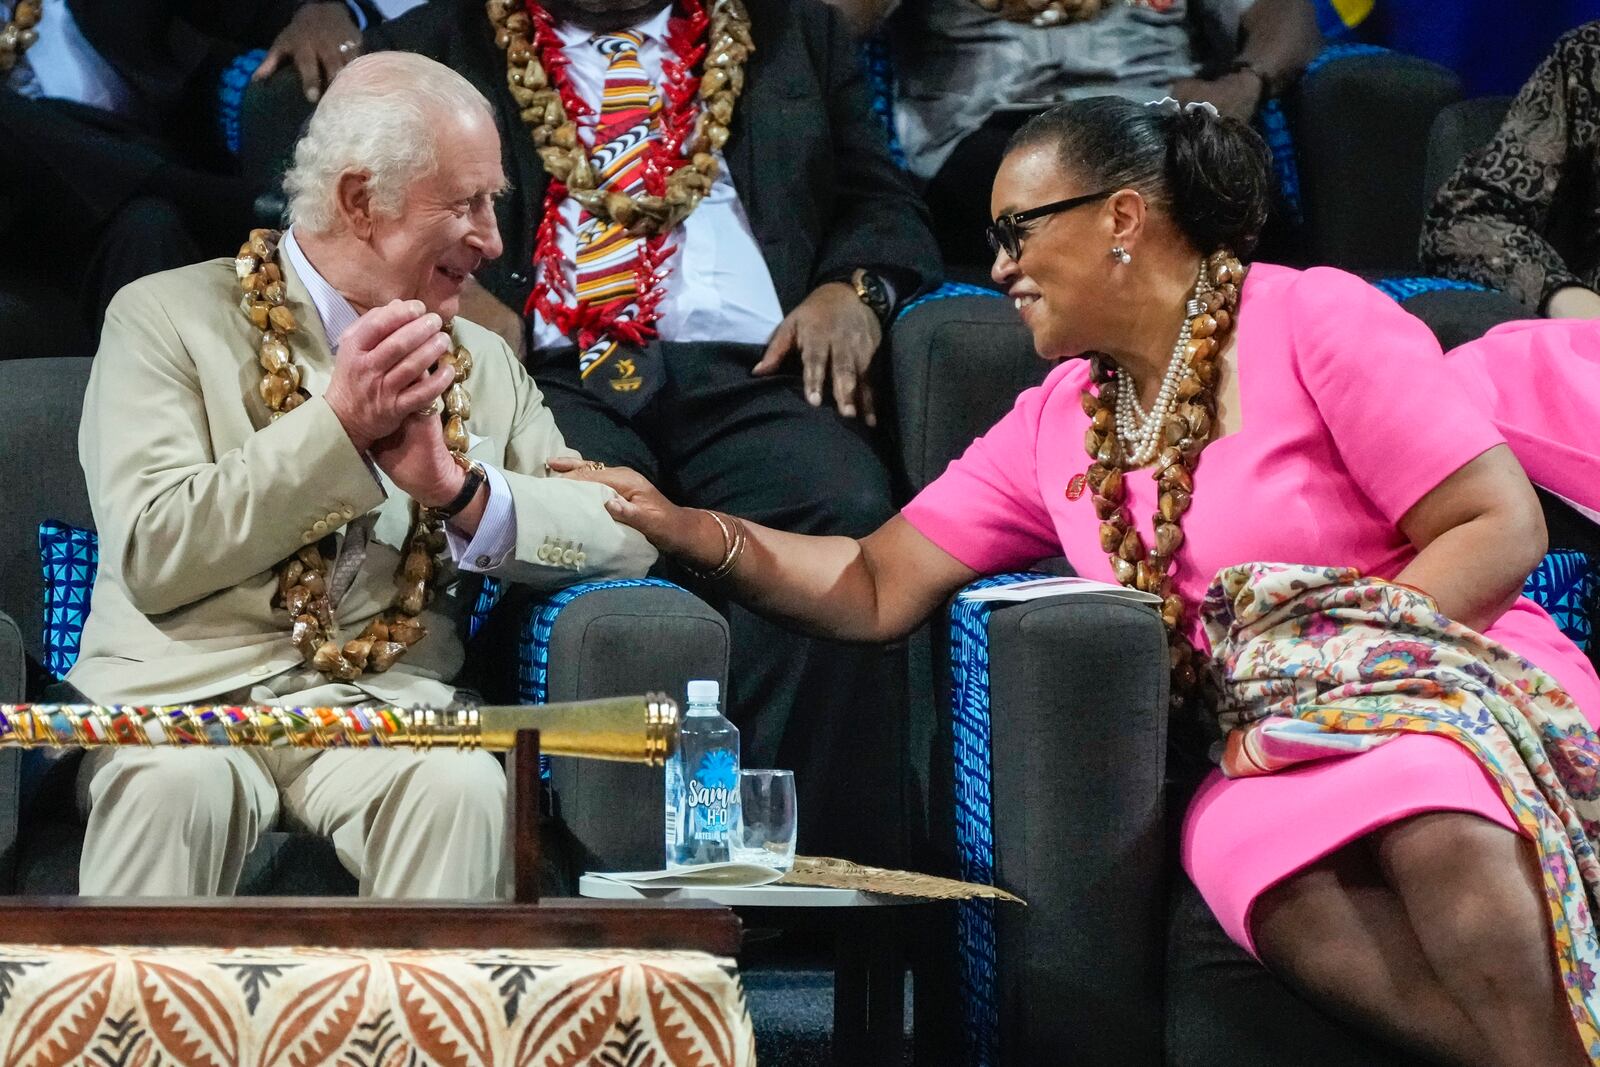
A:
{"x":1006,"y":232}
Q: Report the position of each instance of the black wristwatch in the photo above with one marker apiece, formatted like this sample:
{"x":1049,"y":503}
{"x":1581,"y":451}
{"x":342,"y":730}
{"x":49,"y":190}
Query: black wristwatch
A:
{"x":469,"y":489}
{"x":872,"y":292}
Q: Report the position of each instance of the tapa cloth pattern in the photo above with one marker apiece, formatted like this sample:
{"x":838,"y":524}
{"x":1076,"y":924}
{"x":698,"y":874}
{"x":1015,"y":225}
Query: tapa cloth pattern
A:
{"x":214,"y":1007}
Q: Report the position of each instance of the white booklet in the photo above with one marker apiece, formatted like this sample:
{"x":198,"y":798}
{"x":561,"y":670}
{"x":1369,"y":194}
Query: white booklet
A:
{"x":1039,"y":588}
{"x":726,"y":875}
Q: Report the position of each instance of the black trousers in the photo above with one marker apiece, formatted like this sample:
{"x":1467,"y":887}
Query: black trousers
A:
{"x":716,"y":437}
{"x":90,"y":201}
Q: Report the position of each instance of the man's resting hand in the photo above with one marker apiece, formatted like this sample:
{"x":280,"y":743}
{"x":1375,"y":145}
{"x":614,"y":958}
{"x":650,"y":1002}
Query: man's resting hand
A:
{"x":837,"y":336}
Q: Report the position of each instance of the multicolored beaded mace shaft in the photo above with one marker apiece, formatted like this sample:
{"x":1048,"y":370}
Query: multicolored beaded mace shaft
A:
{"x":631,"y":729}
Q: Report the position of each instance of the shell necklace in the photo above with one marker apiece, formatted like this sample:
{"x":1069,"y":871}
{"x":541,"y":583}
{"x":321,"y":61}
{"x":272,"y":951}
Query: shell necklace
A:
{"x":18,"y":35}
{"x":1138,"y":433}
{"x":1121,"y":438}
{"x":303,"y":578}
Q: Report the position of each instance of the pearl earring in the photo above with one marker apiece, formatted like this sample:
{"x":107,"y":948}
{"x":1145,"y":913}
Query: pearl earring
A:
{"x":1121,"y":255}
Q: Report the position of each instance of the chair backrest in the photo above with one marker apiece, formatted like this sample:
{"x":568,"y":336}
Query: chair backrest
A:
{"x":1460,"y":128}
{"x":41,"y":402}
{"x":1361,"y":130}
{"x":958,"y":362}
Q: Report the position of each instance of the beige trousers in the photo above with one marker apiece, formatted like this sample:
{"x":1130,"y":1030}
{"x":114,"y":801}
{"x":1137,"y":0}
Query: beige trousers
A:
{"x":180,"y":822}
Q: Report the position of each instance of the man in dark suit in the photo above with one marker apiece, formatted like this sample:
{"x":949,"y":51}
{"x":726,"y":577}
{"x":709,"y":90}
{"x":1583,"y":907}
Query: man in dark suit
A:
{"x":751,"y":391}
{"x":111,"y":166}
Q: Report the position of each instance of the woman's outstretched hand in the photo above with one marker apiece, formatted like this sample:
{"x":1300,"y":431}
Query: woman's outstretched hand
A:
{"x":690,"y":534}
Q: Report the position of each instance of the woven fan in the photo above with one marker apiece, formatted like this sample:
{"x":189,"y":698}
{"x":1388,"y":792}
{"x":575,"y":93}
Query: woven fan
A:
{"x":842,"y":874}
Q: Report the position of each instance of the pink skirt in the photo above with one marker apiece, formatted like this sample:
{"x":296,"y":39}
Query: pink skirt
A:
{"x":1242,"y":836}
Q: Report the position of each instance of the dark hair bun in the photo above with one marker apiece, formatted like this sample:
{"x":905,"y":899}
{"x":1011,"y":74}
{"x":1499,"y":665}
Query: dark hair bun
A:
{"x":1219,"y":176}
{"x":1212,"y":175}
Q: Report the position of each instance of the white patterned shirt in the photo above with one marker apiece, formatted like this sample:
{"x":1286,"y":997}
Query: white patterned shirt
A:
{"x":718,"y":287}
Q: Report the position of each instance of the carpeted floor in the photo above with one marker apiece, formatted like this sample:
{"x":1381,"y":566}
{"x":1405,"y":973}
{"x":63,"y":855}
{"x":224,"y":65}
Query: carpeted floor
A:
{"x":791,"y":1006}
{"x":792,"y":1009}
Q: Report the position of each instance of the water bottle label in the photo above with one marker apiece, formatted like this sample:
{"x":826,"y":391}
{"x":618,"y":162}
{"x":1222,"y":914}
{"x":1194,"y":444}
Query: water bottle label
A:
{"x":711,"y":792}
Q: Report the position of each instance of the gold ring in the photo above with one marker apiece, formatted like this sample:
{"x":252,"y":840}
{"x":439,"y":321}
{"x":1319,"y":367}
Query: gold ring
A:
{"x":596,"y":465}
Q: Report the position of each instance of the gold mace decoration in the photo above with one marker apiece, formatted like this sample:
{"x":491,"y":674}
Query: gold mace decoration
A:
{"x":633,"y":729}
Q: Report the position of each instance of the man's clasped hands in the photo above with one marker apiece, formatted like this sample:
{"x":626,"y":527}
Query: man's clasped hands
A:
{"x":385,"y":384}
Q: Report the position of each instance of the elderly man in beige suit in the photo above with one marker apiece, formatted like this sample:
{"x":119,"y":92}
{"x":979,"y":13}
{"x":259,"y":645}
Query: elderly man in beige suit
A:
{"x":262,"y":442}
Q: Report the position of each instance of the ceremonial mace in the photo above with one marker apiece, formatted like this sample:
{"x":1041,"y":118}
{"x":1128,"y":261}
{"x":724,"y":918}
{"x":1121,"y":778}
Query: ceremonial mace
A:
{"x":631,"y":729}
{"x":636,"y":729}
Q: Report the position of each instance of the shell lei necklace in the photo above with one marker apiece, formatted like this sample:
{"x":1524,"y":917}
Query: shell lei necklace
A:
{"x":1121,"y":439}
{"x":18,"y":35}
{"x":303,"y":578}
{"x":1141,"y":435}
{"x":680,"y":164}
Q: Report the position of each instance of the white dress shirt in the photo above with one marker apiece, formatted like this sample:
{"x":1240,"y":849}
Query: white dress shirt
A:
{"x":497,"y":529}
{"x":64,"y":65}
{"x":717,"y":287}
{"x":389,"y":9}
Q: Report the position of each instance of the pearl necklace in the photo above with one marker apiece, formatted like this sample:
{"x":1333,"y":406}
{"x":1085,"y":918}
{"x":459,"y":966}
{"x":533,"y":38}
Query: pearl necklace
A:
{"x":1140,"y":435}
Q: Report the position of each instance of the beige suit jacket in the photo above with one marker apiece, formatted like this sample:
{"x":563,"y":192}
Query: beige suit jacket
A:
{"x":196,"y":495}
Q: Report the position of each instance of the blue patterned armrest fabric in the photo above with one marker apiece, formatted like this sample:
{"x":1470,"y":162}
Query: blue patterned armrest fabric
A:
{"x":533,"y":666}
{"x":69,"y":557}
{"x":944,"y":292}
{"x":230,"y":94}
{"x":1272,"y":122}
{"x":1335,"y":52}
{"x":969,"y":713}
{"x":1403,"y":289}
{"x":533,"y":650}
{"x":1567,"y":585}
{"x":877,"y":60}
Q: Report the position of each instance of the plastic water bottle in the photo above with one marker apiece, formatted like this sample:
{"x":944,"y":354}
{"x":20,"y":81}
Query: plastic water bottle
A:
{"x":702,"y":782}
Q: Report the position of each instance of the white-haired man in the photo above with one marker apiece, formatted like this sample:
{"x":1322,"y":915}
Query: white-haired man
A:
{"x":284,"y":511}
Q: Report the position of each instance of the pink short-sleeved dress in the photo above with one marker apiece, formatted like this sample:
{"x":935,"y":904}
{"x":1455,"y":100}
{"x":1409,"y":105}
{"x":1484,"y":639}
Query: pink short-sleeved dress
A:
{"x":1350,"y":416}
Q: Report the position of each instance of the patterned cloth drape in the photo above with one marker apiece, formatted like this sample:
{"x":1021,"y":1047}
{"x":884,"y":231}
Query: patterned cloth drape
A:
{"x":1317,"y":663}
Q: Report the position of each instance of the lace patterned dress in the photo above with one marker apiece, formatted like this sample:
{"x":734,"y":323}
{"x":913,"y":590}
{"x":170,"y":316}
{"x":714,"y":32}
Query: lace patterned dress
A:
{"x":1522,"y":214}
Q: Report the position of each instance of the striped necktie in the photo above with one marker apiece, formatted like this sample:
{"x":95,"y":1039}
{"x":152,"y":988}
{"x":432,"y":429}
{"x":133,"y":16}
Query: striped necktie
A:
{"x":607,"y":256}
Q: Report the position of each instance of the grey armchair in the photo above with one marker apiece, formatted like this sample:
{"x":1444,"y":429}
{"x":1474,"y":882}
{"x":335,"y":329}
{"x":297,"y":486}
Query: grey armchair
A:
{"x":1115,"y":960}
{"x":597,"y":640}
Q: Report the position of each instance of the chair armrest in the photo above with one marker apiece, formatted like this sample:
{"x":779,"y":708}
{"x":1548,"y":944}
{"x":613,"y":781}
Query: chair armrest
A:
{"x":13,"y":666}
{"x":612,"y":639}
{"x":1456,"y":311}
{"x":1361,"y":117}
{"x":12,"y":676}
{"x":958,"y":360}
{"x":1071,"y":795}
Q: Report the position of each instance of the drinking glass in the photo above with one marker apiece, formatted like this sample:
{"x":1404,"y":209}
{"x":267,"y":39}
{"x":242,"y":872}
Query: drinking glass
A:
{"x":765,"y":832}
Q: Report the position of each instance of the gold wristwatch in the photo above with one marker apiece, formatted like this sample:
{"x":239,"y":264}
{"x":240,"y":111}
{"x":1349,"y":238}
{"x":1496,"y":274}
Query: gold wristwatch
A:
{"x":871,"y":291}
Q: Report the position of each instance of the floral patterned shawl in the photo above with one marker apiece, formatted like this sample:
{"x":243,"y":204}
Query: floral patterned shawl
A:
{"x":1319,"y":662}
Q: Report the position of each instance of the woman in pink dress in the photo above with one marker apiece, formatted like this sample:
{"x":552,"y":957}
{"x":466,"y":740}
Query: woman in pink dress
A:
{"x":1392,"y":886}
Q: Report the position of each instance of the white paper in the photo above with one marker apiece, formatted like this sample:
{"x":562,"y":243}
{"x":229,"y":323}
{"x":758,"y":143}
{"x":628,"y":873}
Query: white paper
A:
{"x":726,"y":875}
{"x":1039,"y":588}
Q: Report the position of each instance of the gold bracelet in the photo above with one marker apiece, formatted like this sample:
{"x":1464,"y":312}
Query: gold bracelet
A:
{"x":733,"y":542}
{"x":740,"y":538}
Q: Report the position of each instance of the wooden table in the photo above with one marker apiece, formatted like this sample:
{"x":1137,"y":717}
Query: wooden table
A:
{"x":870,"y":952}
{"x":334,"y":922}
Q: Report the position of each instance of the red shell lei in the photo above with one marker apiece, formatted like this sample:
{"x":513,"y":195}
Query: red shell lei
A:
{"x":552,"y":296}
